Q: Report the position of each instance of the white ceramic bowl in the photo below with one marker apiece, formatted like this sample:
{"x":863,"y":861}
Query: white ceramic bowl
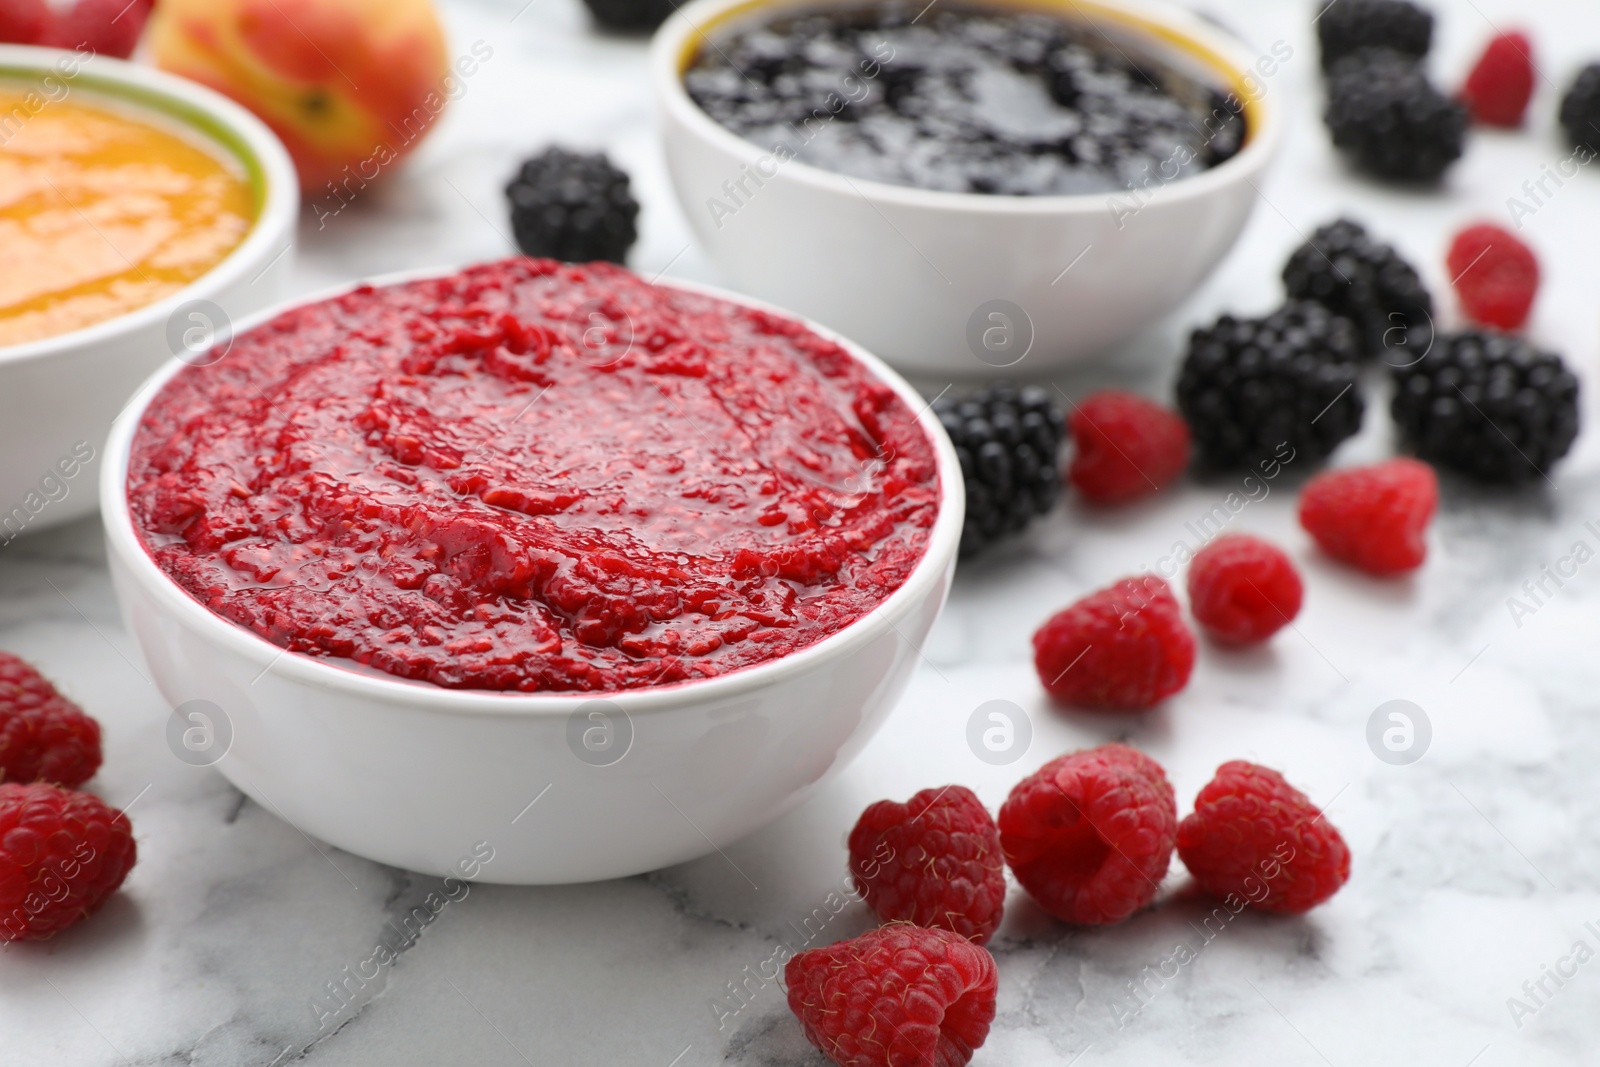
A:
{"x":954,"y":283}
{"x":416,"y":775}
{"x":59,"y":395}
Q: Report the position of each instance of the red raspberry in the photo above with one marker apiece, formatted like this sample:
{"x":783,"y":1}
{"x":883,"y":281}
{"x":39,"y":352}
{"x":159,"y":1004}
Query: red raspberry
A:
{"x":1127,"y":447}
{"x":25,"y":21}
{"x":1500,"y":85}
{"x":61,"y":854}
{"x":1372,"y":517}
{"x":107,"y":27}
{"x":1123,"y":648}
{"x":1089,"y":835}
{"x":43,"y":735}
{"x":1243,"y":589}
{"x":900,"y":996}
{"x":1495,"y":275}
{"x":934,"y":861}
{"x":1255,"y":836}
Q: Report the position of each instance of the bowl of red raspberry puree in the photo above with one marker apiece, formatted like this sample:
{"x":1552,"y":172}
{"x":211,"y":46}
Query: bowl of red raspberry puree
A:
{"x":605,"y":573}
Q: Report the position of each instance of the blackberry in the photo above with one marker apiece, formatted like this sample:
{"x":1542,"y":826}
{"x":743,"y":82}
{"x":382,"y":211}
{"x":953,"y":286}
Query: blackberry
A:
{"x":572,"y":207}
{"x":1250,"y":387}
{"x":1580,"y":110}
{"x":1008,"y":441}
{"x":1347,"y":26}
{"x":1488,"y":405}
{"x":1390,"y":120}
{"x":630,"y":15}
{"x":1342,"y":268}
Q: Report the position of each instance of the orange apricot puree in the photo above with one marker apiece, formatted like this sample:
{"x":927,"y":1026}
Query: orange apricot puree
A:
{"x":103,"y":212}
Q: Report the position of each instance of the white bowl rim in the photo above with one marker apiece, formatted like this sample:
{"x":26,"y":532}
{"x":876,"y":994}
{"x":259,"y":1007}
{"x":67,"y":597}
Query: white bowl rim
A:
{"x":670,"y":41}
{"x":123,"y":540}
{"x":280,"y":204}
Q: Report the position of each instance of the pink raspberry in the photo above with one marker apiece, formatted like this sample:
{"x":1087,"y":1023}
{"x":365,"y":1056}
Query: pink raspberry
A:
{"x":1127,"y":447}
{"x":108,"y":27}
{"x":1495,"y":275}
{"x":1501,"y":83}
{"x":25,"y":21}
{"x":900,"y":996}
{"x":43,"y":735}
{"x":1243,"y":590}
{"x":1255,"y":836}
{"x":61,"y":854}
{"x":1089,"y":835}
{"x":934,"y":861}
{"x":1374,"y":518}
{"x":1124,"y":648}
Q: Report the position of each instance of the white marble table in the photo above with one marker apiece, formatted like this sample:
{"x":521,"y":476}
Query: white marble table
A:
{"x":1475,"y":868}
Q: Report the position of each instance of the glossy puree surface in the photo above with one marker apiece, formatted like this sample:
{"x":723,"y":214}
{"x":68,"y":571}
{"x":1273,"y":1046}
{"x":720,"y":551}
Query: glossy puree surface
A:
{"x":535,"y":477}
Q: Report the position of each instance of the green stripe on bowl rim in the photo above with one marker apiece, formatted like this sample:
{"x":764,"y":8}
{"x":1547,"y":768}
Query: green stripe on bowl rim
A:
{"x":155,"y":100}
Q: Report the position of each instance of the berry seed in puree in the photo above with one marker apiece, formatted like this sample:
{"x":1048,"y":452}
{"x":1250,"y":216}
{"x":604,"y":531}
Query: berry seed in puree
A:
{"x":535,"y":477}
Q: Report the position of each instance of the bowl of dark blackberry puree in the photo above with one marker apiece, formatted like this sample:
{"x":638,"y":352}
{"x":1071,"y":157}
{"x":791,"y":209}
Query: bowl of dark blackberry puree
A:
{"x":965,"y":187}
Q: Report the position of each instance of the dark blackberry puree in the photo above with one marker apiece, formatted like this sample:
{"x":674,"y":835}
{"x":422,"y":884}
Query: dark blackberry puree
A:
{"x":964,"y":98}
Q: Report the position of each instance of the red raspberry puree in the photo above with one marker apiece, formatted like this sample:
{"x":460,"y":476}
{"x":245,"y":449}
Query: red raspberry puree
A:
{"x":472,"y":481}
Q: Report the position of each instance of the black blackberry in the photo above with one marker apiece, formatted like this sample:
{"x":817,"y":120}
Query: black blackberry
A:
{"x":1342,"y":268}
{"x":1580,"y":110}
{"x":630,"y":15}
{"x":1489,"y":405}
{"x":1347,"y":26}
{"x":572,"y":207}
{"x":1252,"y":390}
{"x":1008,"y":440}
{"x":1390,"y":120}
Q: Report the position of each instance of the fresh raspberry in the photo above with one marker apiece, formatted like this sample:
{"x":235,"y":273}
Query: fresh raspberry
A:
{"x":61,"y":854}
{"x":1255,"y":836}
{"x":25,"y":21}
{"x":1500,"y":85}
{"x":900,"y":996}
{"x":107,"y":27}
{"x":934,"y":860}
{"x":1373,"y":518}
{"x":1496,"y":275}
{"x":1124,"y":648}
{"x":43,"y":735}
{"x":1243,"y":589}
{"x":1089,"y":835}
{"x":1127,"y":447}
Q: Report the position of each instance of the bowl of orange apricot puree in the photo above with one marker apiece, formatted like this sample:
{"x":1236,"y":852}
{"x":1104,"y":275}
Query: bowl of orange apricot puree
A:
{"x":140,"y":216}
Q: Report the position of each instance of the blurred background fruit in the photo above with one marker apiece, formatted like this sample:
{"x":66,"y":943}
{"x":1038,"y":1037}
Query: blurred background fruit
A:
{"x":349,"y":85}
{"x":630,"y":16}
{"x":24,"y":21}
{"x":105,"y":27}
